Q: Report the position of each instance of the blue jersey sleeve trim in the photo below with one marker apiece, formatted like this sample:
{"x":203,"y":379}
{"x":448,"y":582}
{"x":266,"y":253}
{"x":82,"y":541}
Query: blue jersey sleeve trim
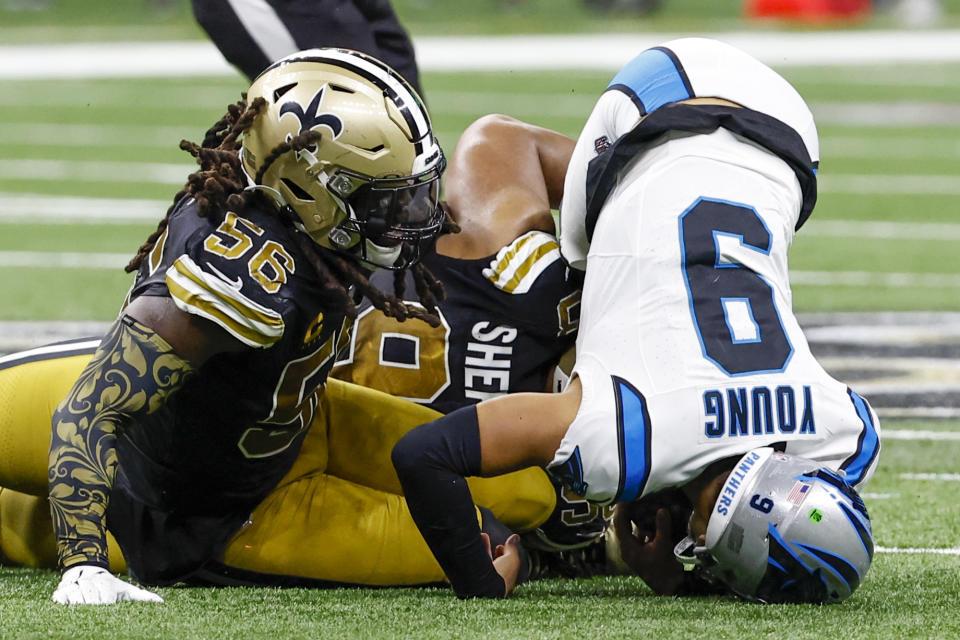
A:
{"x":868,"y":444}
{"x":655,"y":78}
{"x":633,"y":434}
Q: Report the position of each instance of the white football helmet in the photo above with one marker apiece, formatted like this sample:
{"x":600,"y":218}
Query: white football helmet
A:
{"x":370,"y":184}
{"x":785,"y":529}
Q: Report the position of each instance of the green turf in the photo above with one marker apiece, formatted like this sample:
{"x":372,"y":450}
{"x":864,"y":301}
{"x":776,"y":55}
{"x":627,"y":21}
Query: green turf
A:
{"x":66,"y":237}
{"x":904,"y":596}
{"x":32,"y":293}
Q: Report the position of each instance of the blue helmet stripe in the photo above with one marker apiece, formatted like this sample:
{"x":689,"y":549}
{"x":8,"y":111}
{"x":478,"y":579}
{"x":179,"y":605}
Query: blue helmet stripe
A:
{"x":843,"y":487}
{"x":836,"y":565}
{"x":863,"y":531}
{"x":788,"y":578}
{"x":784,"y":547}
{"x":776,"y":564}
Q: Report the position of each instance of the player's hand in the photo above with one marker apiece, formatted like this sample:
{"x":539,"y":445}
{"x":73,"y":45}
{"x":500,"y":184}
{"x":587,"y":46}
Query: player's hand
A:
{"x":649,"y":553}
{"x":507,"y":559}
{"x":88,"y":584}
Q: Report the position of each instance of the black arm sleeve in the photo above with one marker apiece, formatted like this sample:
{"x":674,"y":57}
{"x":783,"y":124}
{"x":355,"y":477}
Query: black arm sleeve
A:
{"x":432,"y":462}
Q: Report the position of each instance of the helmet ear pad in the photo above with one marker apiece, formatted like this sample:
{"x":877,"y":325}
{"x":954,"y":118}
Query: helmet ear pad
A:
{"x":786,"y":529}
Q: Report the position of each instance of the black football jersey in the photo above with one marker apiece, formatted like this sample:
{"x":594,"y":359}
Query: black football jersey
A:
{"x":505,"y":323}
{"x":230,"y":434}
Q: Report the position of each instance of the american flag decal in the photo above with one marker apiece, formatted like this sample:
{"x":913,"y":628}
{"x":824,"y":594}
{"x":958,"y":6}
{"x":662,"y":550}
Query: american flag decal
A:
{"x":799,"y":492}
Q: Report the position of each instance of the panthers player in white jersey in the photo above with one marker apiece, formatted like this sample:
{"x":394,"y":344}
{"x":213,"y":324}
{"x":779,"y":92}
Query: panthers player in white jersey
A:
{"x":682,"y":197}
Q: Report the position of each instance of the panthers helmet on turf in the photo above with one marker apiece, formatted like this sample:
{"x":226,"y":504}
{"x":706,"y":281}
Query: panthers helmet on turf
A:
{"x":785,"y":529}
{"x":370,"y":183}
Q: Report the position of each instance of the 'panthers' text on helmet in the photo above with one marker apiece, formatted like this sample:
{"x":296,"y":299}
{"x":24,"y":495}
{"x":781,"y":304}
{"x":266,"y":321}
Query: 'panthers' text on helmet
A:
{"x":370,"y":182}
{"x":785,"y":529}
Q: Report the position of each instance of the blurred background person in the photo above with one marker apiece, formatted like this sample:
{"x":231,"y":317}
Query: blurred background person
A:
{"x":251,"y":34}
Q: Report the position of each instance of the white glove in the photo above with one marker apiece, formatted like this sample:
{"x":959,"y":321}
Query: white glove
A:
{"x":88,"y":584}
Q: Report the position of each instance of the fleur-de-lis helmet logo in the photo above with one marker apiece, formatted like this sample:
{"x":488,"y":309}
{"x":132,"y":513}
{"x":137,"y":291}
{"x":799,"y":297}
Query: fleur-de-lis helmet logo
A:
{"x":311,"y":118}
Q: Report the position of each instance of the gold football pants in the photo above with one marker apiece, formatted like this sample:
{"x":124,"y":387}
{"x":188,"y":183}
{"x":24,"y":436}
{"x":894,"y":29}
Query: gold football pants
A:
{"x":337,"y":515}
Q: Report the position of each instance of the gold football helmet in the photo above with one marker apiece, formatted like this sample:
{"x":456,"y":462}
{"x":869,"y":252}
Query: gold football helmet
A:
{"x":370,"y":184}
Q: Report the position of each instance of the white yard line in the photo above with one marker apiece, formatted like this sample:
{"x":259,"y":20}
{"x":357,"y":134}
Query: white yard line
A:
{"x":905,"y":413}
{"x":885,"y":114}
{"x":95,"y":171}
{"x":937,"y":477}
{"x":38,"y":208}
{"x":897,"y":280}
{"x":910,"y":434}
{"x":955,"y":551}
{"x":881,"y":229}
{"x":57,"y":260}
{"x":95,"y":135}
{"x":889,"y":184}
{"x":494,"y":53}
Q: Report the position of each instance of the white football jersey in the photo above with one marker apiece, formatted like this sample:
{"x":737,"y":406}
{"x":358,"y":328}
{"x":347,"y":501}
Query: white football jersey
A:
{"x":688,"y":349}
{"x":676,"y":71}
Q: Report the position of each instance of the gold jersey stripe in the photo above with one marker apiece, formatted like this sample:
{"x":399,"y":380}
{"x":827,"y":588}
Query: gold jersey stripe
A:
{"x":189,"y":303}
{"x":195,"y":291}
{"x":227,"y":292}
{"x":519,"y":264}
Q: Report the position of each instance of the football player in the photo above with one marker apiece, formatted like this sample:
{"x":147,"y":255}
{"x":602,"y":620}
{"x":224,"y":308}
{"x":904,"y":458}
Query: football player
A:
{"x":342,"y":480}
{"x":686,"y":186}
{"x":497,"y":334}
{"x":254,"y":33}
{"x":197,"y":401}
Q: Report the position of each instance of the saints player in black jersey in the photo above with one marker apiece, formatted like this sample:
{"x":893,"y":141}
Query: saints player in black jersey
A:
{"x":341,"y":480}
{"x":511,"y":306}
{"x":509,"y":314}
{"x":197,"y":400}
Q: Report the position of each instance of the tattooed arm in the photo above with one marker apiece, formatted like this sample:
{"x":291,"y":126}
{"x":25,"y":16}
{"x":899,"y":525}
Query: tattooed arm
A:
{"x":132,"y":374}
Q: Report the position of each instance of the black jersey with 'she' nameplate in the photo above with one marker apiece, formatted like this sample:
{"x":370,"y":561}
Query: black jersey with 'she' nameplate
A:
{"x":191,"y":472}
{"x":506,"y":321}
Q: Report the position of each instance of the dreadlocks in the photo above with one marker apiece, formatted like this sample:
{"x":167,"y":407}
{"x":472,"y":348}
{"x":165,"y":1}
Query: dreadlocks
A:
{"x":219,"y":186}
{"x":219,"y":183}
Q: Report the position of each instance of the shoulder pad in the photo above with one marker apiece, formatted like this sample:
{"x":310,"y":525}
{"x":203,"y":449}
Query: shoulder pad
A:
{"x":217,"y":299}
{"x":518,"y":265}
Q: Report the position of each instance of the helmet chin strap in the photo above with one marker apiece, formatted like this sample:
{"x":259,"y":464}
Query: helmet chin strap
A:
{"x":373,"y":254}
{"x":381,"y":256}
